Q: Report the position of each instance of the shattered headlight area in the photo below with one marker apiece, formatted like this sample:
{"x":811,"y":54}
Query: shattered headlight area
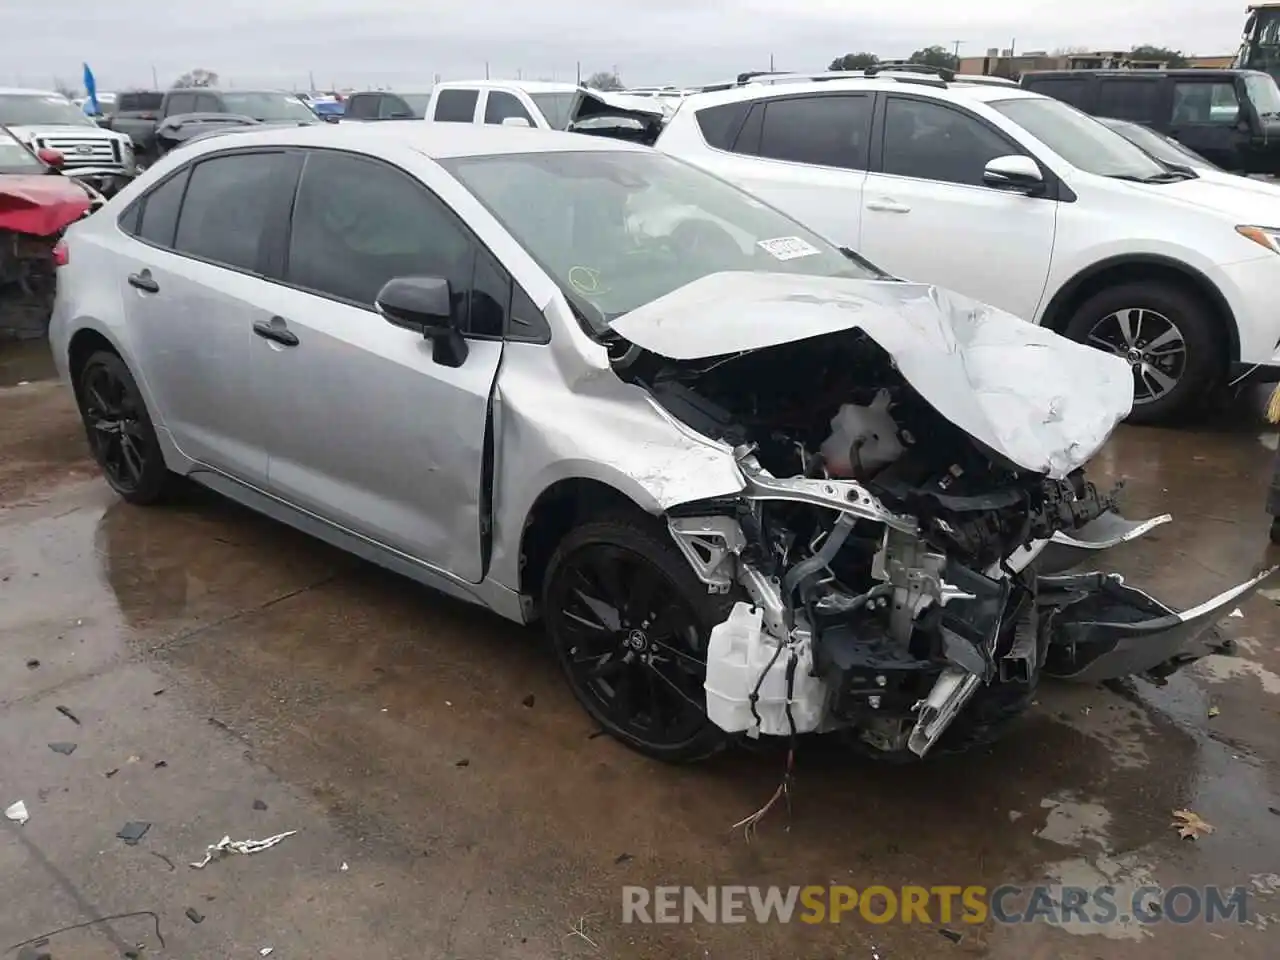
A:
{"x":891,"y":565}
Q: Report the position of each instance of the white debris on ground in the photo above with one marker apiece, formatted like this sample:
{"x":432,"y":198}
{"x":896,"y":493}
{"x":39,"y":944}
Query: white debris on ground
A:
{"x":227,"y":845}
{"x":17,"y":812}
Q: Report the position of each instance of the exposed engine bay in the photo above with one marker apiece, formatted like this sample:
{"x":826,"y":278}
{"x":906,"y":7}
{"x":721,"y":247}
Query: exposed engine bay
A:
{"x":891,"y":564}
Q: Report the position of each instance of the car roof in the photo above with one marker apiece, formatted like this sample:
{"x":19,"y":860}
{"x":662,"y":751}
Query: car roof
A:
{"x":434,"y":140}
{"x":958,"y":92}
{"x":528,"y":86}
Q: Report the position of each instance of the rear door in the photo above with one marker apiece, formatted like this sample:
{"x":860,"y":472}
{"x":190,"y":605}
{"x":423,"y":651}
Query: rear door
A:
{"x":928,"y":216}
{"x":806,"y":155}
{"x":1207,"y":116}
{"x":366,"y":428}
{"x":192,"y":291}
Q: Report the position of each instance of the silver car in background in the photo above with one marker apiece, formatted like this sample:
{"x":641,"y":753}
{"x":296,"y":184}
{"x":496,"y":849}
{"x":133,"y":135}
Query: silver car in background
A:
{"x":751,"y":484}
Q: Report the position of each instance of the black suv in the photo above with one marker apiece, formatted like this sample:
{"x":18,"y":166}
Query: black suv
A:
{"x":1231,"y":117}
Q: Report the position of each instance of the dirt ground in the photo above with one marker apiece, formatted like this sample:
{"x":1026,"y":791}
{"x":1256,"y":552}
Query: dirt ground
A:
{"x":221,"y":675}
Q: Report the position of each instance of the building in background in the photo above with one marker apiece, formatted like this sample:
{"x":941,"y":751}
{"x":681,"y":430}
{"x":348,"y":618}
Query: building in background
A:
{"x":1004,"y":63}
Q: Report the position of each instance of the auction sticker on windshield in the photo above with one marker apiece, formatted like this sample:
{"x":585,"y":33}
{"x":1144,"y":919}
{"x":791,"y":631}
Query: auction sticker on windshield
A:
{"x":787,"y":248}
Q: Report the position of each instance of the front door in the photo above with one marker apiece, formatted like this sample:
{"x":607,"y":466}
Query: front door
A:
{"x":1208,"y":117}
{"x":928,"y":217}
{"x":365,"y":427}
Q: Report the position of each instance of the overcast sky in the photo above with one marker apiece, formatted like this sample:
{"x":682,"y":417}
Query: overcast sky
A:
{"x":406,"y":43}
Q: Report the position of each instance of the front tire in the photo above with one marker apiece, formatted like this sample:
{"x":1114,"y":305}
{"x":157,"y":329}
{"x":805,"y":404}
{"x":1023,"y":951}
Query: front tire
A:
{"x":630,"y":623}
{"x":1169,"y":337}
{"x":121,"y":435}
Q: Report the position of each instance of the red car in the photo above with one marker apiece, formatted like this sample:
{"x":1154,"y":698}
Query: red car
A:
{"x":37,"y":204}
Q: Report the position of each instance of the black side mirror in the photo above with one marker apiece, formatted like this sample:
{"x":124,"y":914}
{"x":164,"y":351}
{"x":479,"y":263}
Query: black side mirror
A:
{"x":424,"y":305}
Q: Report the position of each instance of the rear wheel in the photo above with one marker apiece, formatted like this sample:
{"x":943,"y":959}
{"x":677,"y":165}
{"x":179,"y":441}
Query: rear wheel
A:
{"x":121,"y":436}
{"x":1167,"y":335}
{"x":630,"y":623}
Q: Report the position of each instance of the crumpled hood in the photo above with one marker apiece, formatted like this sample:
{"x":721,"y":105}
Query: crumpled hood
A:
{"x":1045,"y":403}
{"x":40,"y":205}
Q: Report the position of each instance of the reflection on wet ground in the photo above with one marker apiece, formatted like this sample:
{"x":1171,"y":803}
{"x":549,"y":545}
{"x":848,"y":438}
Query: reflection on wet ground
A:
{"x":390,"y":727}
{"x":25,"y":361}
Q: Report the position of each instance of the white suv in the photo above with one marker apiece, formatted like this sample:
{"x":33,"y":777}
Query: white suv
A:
{"x":1020,"y":201}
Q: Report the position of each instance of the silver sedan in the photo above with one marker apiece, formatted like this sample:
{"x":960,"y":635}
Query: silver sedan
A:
{"x":752,"y":485}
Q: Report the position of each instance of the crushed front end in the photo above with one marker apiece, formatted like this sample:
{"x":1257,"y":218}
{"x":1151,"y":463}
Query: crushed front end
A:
{"x":901,"y":576}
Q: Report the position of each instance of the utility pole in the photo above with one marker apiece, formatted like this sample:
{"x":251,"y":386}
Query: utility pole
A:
{"x":579,"y":73}
{"x":486,"y":69}
{"x":771,"y":63}
{"x":155,"y":80}
{"x":311,"y":78}
{"x":519,"y":73}
{"x":956,"y":53}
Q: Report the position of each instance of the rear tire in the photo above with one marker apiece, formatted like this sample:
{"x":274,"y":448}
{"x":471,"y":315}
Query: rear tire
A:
{"x":121,"y":435}
{"x":1131,"y":318}
{"x":630,"y":623}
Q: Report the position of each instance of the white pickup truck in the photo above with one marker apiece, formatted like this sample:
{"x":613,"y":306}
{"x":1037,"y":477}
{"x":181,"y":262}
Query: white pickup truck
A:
{"x":45,"y":120}
{"x":541,"y":103}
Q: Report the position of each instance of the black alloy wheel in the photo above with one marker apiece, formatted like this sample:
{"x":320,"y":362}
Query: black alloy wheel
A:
{"x":630,"y":623}
{"x":121,"y":436}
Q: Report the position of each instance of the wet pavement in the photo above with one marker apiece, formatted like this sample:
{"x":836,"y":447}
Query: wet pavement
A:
{"x":230,"y":677}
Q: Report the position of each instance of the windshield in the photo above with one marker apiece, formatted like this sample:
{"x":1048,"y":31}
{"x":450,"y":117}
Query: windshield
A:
{"x":15,"y":158}
{"x":1079,"y":139}
{"x":1263,"y":94}
{"x":617,"y":229}
{"x":20,"y":109}
{"x":417,"y":102}
{"x":555,"y":107}
{"x":1158,"y":145}
{"x":268,"y":105}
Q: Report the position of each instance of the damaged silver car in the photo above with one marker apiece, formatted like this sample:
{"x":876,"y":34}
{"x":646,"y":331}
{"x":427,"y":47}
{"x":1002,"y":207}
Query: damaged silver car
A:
{"x":752,"y":485}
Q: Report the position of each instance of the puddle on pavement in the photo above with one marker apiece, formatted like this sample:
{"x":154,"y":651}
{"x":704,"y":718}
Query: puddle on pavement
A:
{"x":25,"y":361}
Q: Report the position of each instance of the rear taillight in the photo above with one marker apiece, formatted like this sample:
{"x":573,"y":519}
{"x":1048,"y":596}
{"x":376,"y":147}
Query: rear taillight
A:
{"x":61,"y":255}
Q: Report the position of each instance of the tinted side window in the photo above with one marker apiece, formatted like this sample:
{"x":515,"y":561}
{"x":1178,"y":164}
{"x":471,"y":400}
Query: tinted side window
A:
{"x":1136,"y":99}
{"x":1067,"y":89}
{"x":181,"y":103}
{"x":358,"y":223}
{"x":720,"y":125}
{"x":226,"y":208}
{"x":932,"y":142}
{"x":363,"y":106}
{"x":1200,"y":101}
{"x":393,"y":108}
{"x":160,"y":211}
{"x":458,"y":106}
{"x":207,"y":103}
{"x":833,"y":131}
{"x":498,"y":106}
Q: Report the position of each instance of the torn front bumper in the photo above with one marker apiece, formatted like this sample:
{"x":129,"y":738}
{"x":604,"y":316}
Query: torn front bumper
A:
{"x":1100,"y":628}
{"x":1067,"y":550}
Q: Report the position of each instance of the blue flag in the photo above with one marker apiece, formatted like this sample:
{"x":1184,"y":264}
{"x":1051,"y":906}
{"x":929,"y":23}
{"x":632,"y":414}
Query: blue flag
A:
{"x":91,"y":89}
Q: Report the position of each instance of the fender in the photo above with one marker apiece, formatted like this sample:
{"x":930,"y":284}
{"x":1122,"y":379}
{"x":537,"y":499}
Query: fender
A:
{"x":1055,"y":315}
